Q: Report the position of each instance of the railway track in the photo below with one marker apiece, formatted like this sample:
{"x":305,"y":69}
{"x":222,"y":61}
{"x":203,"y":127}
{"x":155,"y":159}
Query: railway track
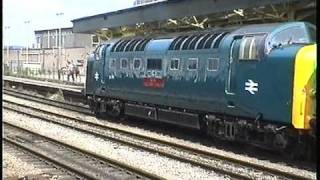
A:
{"x":82,"y":164}
{"x":48,"y":168}
{"x":66,"y":105}
{"x":204,"y":159}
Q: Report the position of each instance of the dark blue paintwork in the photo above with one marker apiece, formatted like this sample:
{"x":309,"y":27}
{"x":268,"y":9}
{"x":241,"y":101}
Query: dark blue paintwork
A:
{"x":203,"y":90}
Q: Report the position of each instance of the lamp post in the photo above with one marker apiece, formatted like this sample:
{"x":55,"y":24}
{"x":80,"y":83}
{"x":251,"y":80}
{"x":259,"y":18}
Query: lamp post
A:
{"x":59,"y":43}
{"x":6,"y":29}
{"x":8,"y":45}
{"x":27,"y":48}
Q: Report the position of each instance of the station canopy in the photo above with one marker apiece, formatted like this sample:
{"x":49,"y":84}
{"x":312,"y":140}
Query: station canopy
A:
{"x":184,"y":15}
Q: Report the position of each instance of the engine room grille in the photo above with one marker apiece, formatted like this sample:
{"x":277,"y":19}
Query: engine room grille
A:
{"x":125,"y":45}
{"x":199,"y":41}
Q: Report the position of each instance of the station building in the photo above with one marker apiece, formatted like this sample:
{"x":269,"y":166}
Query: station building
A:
{"x":46,"y":54}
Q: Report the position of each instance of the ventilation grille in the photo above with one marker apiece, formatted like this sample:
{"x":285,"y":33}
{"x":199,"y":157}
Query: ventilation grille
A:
{"x":199,"y":41}
{"x":125,"y":45}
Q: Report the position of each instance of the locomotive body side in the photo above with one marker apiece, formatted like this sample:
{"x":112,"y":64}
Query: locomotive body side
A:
{"x":253,"y":84}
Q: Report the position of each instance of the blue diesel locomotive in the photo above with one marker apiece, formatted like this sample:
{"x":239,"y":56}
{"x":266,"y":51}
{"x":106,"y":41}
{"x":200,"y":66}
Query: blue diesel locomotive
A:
{"x":254,"y":83}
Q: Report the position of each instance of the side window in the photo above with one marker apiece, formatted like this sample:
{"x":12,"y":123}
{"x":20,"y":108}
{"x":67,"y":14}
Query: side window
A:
{"x":192,"y":64}
{"x":136,"y":63}
{"x":112,"y":63}
{"x":154,"y":64}
{"x":124,"y":63}
{"x":97,"y":52}
{"x":250,"y":47}
{"x":175,"y":64}
{"x":213,"y":64}
{"x":289,"y":36}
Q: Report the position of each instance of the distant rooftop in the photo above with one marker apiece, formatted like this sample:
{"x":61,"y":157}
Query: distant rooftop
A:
{"x":46,"y":30}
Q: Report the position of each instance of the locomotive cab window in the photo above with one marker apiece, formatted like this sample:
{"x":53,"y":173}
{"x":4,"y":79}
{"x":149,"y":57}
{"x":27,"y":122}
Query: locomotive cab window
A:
{"x":213,"y":64}
{"x":192,"y":64}
{"x":289,"y":36}
{"x":250,"y":47}
{"x":174,"y":64}
{"x":136,"y":63}
{"x":312,"y":33}
{"x":154,"y":64}
{"x":124,"y":63}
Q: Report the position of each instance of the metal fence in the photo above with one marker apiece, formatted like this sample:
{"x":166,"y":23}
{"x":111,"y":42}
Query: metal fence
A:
{"x":35,"y":71}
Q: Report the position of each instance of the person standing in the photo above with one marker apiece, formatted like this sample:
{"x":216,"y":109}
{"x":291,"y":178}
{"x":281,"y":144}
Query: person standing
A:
{"x":70,"y":70}
{"x":77,"y":71}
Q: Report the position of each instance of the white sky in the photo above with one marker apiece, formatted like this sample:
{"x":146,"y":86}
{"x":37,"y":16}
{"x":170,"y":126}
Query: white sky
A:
{"x":42,"y":15}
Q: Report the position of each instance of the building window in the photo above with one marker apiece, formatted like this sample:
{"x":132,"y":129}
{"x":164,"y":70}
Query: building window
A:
{"x":39,"y":42}
{"x":154,"y":64}
{"x":174,"y":64}
{"x":112,"y":63}
{"x":63,"y":41}
{"x":213,"y":64}
{"x":136,"y":63}
{"x":53,"y":41}
{"x":193,"y":64}
{"x":95,"y":40}
{"x":124,"y":63}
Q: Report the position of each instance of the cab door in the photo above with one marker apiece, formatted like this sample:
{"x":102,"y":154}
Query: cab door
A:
{"x":95,"y":71}
{"x":244,"y":78}
{"x":231,"y":82}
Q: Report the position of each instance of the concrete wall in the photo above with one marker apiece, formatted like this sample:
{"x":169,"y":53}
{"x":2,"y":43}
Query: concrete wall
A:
{"x":69,"y":39}
{"x":46,"y":58}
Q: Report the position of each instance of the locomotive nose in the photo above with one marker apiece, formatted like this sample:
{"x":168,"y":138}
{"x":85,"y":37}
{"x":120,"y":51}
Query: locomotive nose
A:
{"x":304,"y":87}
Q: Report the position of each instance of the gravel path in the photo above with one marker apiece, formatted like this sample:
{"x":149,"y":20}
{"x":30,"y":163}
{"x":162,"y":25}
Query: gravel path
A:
{"x":168,"y":168}
{"x":165,"y":137}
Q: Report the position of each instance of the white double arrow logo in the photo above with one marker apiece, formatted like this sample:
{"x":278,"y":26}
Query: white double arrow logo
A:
{"x":96,"y":76}
{"x":251,"y":86}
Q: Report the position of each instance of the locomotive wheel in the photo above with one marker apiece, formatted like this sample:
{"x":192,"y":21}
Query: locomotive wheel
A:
{"x":114,"y":111}
{"x":203,"y":125}
{"x":97,"y":112}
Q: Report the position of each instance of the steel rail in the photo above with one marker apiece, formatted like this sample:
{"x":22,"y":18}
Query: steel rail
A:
{"x":127,"y":167}
{"x":43,"y":156}
{"x":172,"y":144}
{"x":66,"y":105}
{"x":9,"y":145}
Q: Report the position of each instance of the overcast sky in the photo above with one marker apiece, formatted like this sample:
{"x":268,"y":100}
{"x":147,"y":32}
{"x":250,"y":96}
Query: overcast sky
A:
{"x":42,"y":15}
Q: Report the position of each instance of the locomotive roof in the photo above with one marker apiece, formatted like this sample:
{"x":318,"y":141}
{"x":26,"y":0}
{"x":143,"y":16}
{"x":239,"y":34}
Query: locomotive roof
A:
{"x":266,"y":28}
{"x":237,"y":29}
{"x":174,"y":41}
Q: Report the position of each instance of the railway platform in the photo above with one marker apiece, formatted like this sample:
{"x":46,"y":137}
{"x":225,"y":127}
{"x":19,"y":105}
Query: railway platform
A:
{"x":70,"y":92}
{"x":26,"y":81}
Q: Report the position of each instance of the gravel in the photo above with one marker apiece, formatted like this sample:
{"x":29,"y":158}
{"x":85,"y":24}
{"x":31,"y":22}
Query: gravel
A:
{"x":165,"y":137}
{"x":162,"y":148}
{"x":16,"y":167}
{"x":167,"y":168}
